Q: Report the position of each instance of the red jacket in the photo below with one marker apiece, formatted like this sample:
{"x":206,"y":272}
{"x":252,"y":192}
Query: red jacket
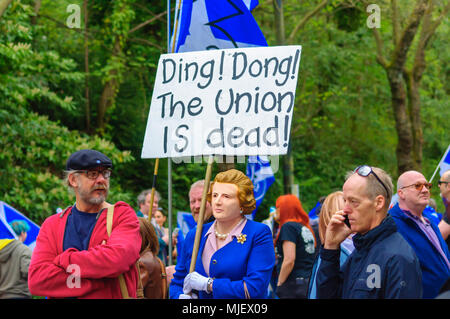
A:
{"x":98,"y":267}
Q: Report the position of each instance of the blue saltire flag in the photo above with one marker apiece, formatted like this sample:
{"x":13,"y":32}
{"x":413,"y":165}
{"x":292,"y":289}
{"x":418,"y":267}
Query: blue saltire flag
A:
{"x":445,"y":162}
{"x":185,"y":222}
{"x":215,"y":24}
{"x":7,"y":215}
{"x":261,"y":175}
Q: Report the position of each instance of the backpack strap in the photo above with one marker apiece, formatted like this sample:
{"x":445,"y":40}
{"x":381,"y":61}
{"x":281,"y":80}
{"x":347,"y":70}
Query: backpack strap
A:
{"x":164,"y":279}
{"x":140,"y":289}
{"x":109,"y":221}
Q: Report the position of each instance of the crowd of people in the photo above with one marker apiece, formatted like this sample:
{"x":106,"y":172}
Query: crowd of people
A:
{"x":362,"y":245}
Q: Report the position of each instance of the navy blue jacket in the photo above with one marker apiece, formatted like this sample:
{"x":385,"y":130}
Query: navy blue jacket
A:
{"x":434,"y":268}
{"x":382,"y":266}
{"x":251,"y":261}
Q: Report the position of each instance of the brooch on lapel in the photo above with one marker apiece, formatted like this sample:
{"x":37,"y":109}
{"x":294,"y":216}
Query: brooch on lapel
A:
{"x":241,"y":238}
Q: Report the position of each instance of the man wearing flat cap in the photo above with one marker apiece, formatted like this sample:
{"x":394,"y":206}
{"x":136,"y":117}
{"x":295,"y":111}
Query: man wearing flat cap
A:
{"x":74,"y":255}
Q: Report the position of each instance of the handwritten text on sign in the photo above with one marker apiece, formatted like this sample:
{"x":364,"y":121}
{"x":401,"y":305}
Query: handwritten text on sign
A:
{"x":223,"y":102}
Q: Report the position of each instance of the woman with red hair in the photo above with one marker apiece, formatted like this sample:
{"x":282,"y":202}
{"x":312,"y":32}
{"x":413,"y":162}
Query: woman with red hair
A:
{"x":294,"y":245}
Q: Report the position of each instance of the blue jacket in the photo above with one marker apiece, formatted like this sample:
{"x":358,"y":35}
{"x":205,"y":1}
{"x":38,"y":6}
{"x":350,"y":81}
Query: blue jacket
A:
{"x":252,"y":262}
{"x":434,"y":268}
{"x":382,"y":266}
{"x":312,"y":294}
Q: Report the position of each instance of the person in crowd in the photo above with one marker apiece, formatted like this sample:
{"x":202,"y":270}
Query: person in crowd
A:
{"x":151,"y":269}
{"x":21,"y":228}
{"x":14,"y":262}
{"x":295,"y":246}
{"x":424,"y":236}
{"x":444,"y":187}
{"x":144,"y":199}
{"x":236,"y":256}
{"x":163,"y":234}
{"x":383,"y":265}
{"x":160,"y":220}
{"x":74,"y":256}
{"x":195,"y":201}
{"x":333,"y":203}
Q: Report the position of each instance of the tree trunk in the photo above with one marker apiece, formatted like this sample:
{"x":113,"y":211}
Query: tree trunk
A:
{"x":402,"y":123}
{"x":87,"y":107}
{"x":405,"y":99}
{"x":109,"y":92}
{"x":37,"y":7}
{"x":3,"y":5}
{"x":415,"y":119}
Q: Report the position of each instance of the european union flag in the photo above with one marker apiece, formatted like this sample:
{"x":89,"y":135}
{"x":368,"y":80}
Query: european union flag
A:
{"x":215,"y":24}
{"x":261,"y":174}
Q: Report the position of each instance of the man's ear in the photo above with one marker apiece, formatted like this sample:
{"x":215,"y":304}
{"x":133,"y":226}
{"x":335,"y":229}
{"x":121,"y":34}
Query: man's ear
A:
{"x":73,"y":180}
{"x":379,"y":202}
{"x":400,"y":193}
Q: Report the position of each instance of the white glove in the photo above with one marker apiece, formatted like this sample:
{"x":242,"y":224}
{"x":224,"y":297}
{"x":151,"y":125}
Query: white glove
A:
{"x":195,"y":281}
{"x":192,"y":296}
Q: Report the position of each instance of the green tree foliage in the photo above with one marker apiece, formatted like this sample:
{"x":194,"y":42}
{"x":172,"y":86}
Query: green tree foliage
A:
{"x":35,"y":148}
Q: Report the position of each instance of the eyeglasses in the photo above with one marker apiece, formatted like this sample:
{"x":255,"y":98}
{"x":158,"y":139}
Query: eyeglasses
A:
{"x":365,"y":170}
{"x":419,"y":186}
{"x":93,"y":174}
{"x":442,"y":182}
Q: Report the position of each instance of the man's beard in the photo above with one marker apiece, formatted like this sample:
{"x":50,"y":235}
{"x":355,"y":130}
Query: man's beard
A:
{"x":88,"y":198}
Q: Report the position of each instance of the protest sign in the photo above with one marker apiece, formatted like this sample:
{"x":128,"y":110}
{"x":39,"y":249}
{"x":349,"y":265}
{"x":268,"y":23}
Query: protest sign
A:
{"x":224,"y":102}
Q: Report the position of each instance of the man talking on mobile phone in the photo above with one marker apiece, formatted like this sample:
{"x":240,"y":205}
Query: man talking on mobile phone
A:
{"x":383,"y":265}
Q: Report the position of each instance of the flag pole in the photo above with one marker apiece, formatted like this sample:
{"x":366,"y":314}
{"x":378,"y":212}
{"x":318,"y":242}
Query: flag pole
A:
{"x":169,"y":161}
{"x":152,"y":196}
{"x":201,"y":215}
{"x":439,"y":164}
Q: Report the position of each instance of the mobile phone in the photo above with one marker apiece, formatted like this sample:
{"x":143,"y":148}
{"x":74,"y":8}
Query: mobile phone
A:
{"x":347,"y":222}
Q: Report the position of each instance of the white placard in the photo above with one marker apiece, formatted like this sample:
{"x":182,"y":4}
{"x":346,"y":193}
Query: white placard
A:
{"x":224,"y":102}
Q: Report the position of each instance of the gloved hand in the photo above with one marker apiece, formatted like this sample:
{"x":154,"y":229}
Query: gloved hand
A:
{"x":195,"y":281}
{"x":192,"y":296}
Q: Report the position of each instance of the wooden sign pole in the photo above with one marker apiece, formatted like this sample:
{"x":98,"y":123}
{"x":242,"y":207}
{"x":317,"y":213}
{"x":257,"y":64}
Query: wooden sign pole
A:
{"x":201,"y":214}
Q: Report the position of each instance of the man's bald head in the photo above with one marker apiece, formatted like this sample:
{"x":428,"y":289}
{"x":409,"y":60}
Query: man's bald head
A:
{"x":409,"y":197}
{"x":406,"y":178}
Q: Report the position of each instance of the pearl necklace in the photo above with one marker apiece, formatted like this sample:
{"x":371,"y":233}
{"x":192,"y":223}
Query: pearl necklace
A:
{"x":221,"y":236}
{"x":224,"y":236}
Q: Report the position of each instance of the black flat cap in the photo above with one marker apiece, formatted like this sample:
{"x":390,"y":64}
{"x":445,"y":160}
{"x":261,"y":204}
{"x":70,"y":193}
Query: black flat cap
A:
{"x":87,"y":159}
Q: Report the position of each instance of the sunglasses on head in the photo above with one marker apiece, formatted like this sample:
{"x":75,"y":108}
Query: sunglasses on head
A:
{"x":365,"y":170}
{"x":419,"y":186}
